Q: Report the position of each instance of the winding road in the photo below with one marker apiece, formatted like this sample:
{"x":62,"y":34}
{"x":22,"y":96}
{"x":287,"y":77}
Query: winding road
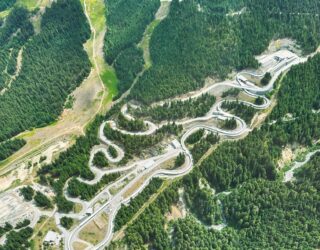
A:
{"x":145,"y":170}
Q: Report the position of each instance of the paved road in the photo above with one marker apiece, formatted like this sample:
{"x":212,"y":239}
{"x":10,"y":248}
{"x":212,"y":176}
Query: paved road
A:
{"x":139,"y":169}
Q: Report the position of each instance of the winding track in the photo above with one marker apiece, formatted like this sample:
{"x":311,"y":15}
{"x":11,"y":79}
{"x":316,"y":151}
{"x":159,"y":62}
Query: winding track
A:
{"x":138,"y":169}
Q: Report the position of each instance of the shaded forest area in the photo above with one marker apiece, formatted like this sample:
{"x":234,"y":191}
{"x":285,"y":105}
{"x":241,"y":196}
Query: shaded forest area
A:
{"x":85,"y":191}
{"x":127,"y":212}
{"x":7,"y":148}
{"x":171,"y":111}
{"x":260,"y":211}
{"x":54,"y":63}
{"x":14,"y":33}
{"x":300,"y":91}
{"x":245,"y":164}
{"x":72,"y":163}
{"x":136,"y":144}
{"x":5,"y":4}
{"x":201,"y":38}
{"x":239,"y":109}
{"x":127,"y":21}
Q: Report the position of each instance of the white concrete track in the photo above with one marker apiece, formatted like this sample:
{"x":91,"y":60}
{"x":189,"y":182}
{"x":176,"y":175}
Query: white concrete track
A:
{"x":150,"y":168}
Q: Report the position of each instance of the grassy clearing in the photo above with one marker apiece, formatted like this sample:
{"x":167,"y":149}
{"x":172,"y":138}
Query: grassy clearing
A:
{"x":110,"y":80}
{"x":145,"y":43}
{"x":96,"y":13}
{"x":4,"y":13}
{"x":96,"y":10}
{"x":29,"y":4}
{"x":79,"y":245}
{"x":77,"y":208}
{"x":94,"y":232}
{"x":41,"y":229}
{"x":32,"y":4}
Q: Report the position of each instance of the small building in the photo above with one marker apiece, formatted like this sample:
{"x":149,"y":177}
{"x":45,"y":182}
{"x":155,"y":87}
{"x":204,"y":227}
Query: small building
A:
{"x":148,"y":164}
{"x":175,"y":144}
{"x":52,"y":239}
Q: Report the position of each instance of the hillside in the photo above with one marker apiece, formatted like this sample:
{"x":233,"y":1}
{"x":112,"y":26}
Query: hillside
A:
{"x":158,"y":125}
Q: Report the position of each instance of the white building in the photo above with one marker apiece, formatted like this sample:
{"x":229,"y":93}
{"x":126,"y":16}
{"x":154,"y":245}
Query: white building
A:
{"x":52,"y":238}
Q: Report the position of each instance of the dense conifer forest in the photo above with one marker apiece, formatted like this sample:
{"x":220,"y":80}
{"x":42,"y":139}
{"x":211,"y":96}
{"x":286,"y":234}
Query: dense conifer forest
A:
{"x":127,"y":21}
{"x":126,"y":212}
{"x":238,"y":185}
{"x":7,"y":148}
{"x":136,"y":144}
{"x":53,"y":64}
{"x":5,"y":4}
{"x":242,"y":110}
{"x":14,"y":33}
{"x":202,"y":38}
{"x":174,"y":110}
{"x":260,"y":211}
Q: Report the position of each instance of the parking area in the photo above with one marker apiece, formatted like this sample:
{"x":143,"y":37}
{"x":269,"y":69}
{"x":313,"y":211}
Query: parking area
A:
{"x":14,"y":209}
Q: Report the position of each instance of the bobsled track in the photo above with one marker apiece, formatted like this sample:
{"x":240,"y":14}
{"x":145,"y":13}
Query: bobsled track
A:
{"x":150,"y":168}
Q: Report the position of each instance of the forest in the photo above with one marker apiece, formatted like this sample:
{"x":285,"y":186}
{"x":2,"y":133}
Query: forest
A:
{"x":127,"y":21}
{"x":195,"y":137}
{"x":73,"y":162}
{"x":130,"y":125}
{"x":171,"y":111}
{"x":66,"y":222}
{"x":100,"y":160}
{"x":127,"y":66}
{"x":18,"y":240}
{"x":8,"y":147}
{"x":310,"y":172}
{"x":112,"y":151}
{"x":230,"y":124}
{"x":5,"y":4}
{"x":203,"y":145}
{"x":42,"y":200}
{"x":260,"y":212}
{"x":242,"y":110}
{"x":126,"y":212}
{"x":150,"y":225}
{"x":135,"y":144}
{"x":27,"y":192}
{"x":199,"y":39}
{"x":14,"y":33}
{"x":17,"y":237}
{"x":300,"y":91}
{"x":54,"y":63}
{"x":85,"y":191}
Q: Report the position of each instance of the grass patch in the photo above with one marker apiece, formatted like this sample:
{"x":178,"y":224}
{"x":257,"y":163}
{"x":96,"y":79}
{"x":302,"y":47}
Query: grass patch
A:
{"x":145,"y":42}
{"x":96,"y":10}
{"x":41,"y":229}
{"x":4,"y":13}
{"x":281,"y":173}
{"x":29,"y":4}
{"x":110,"y":80}
{"x":77,"y":208}
{"x":96,"y":13}
{"x":95,"y":231}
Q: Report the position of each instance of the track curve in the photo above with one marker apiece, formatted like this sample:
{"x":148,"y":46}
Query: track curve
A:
{"x":216,"y":112}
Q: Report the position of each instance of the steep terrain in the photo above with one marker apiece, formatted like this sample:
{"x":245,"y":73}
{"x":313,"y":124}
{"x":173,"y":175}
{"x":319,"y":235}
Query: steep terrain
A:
{"x":197,"y":122}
